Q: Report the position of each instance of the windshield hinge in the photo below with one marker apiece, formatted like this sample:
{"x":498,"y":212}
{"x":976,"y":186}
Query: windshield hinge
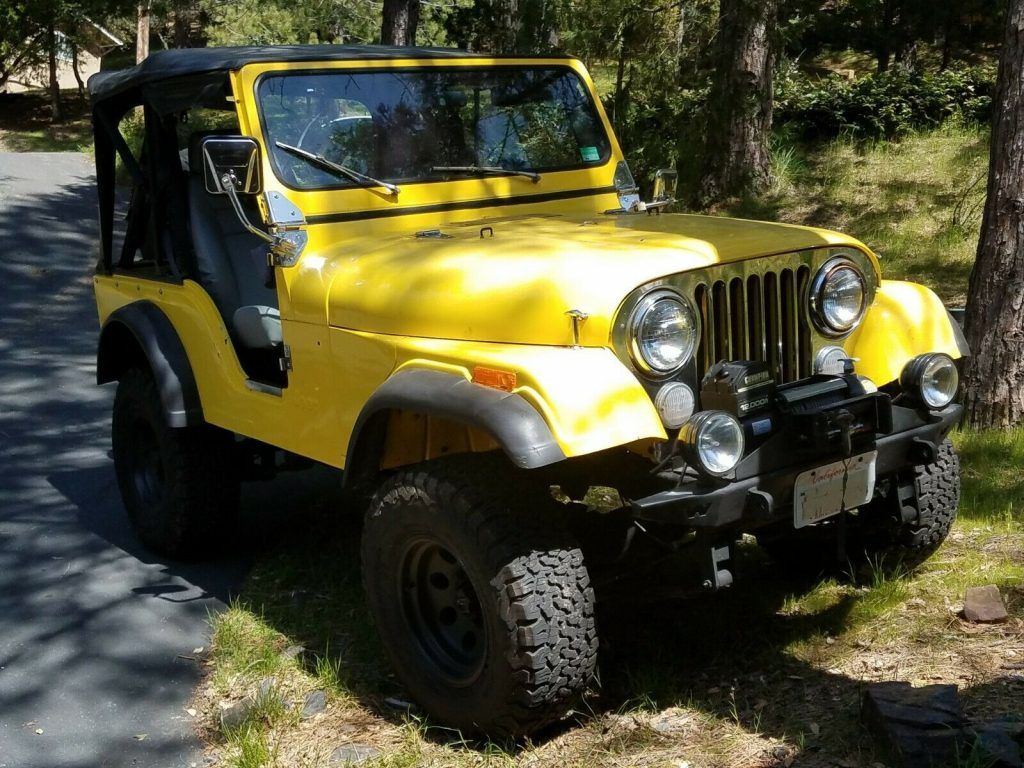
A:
{"x":287,"y":226}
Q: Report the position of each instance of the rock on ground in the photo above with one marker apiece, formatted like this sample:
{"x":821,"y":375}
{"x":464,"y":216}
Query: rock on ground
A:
{"x":316,"y":702}
{"x":352,"y":754}
{"x":984,"y":604}
{"x":922,"y":727}
{"x":232,"y":717}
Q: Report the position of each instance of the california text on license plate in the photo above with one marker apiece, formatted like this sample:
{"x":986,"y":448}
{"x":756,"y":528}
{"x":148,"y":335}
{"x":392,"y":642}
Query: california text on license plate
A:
{"x":819,"y":493}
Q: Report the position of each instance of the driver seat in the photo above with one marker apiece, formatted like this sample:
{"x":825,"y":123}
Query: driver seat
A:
{"x":231,"y":264}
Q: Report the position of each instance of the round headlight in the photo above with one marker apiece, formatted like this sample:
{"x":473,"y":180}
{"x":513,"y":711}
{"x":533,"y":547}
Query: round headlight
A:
{"x":838,"y":297}
{"x":712,"y":441}
{"x":932,"y":379}
{"x":664,"y":333}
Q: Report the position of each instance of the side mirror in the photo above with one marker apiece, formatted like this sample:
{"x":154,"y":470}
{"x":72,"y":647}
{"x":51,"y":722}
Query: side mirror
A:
{"x":231,"y":166}
{"x":665,"y":182}
{"x":231,"y":161}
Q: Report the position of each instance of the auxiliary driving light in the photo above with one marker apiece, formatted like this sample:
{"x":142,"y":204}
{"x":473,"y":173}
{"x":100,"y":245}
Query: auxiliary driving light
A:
{"x":675,"y":403}
{"x":712,"y":441}
{"x":932,"y":379}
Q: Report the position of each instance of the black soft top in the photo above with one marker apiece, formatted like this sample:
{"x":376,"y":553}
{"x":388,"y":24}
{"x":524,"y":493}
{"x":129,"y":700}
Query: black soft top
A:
{"x":169,"y":83}
{"x":186,"y":62}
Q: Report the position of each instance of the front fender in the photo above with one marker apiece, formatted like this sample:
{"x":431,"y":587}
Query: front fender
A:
{"x":905,"y":320}
{"x":588,"y":399}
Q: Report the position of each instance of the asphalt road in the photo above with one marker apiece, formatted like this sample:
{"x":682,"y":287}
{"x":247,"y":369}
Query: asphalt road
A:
{"x":93,"y":627}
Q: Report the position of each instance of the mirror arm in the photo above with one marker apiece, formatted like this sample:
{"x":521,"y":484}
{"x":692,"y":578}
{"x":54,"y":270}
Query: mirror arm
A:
{"x":227,"y":183}
{"x":283,"y":251}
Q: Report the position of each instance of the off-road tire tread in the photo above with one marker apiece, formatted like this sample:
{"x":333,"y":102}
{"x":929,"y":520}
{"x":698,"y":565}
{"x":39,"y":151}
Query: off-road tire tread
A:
{"x":895,"y":546}
{"x":545,"y":597}
{"x":201,"y":477}
{"x":938,"y":498}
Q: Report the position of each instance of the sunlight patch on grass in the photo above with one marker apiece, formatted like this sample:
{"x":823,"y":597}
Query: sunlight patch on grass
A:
{"x":244,"y":646}
{"x":917,"y":202}
{"x":993,"y":483}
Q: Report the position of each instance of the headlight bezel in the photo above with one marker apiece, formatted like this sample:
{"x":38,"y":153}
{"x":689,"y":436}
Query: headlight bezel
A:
{"x":822,"y":324}
{"x":633,"y":326}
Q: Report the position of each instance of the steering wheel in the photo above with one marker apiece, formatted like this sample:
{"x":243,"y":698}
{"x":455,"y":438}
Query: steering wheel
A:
{"x":318,"y":137}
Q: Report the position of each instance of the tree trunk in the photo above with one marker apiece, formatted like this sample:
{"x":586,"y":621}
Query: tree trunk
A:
{"x":182,"y":25}
{"x":948,"y":30}
{"x":994,"y":380}
{"x":509,"y":24}
{"x":619,"y":97}
{"x":884,"y":47}
{"x":142,"y":32}
{"x":56,"y":108}
{"x":737,"y":158}
{"x":78,"y":75}
{"x":401,"y":17}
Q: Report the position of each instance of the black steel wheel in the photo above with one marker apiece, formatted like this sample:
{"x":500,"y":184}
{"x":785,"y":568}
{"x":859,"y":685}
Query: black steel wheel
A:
{"x":443,"y":611}
{"x":482,"y":602}
{"x":179,"y":485}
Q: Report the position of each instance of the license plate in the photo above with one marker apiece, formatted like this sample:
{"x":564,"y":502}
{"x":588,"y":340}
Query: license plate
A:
{"x":822,"y":492}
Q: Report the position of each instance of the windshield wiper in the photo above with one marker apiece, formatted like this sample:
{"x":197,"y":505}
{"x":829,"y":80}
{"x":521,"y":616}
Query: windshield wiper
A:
{"x":343,"y":170}
{"x":486,"y":170}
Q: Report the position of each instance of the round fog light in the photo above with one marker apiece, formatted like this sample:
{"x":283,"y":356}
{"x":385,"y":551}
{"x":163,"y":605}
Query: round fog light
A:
{"x":712,"y":441}
{"x":675,"y":404}
{"x":829,"y":360}
{"x":932,"y":379}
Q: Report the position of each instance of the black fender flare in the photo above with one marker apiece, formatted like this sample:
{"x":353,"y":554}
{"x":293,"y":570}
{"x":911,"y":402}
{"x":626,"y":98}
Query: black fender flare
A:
{"x":515,"y":424}
{"x":161,"y":348}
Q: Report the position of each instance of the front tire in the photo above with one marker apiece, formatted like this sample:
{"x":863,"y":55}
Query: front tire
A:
{"x":483,"y":605}
{"x":927,"y":523}
{"x":879,"y":537}
{"x":179,"y":485}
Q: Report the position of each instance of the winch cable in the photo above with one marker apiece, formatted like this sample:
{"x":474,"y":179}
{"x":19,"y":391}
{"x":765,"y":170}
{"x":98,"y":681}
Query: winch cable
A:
{"x":845,"y":420}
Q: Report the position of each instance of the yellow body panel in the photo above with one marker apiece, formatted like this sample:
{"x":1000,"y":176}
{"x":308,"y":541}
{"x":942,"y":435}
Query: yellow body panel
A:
{"x":368,"y":298}
{"x":517,"y":285}
{"x":312,"y":417}
{"x":904,"y":321}
{"x":588,"y":398}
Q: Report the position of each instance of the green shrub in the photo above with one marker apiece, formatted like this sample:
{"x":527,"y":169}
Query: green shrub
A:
{"x":884,"y":105}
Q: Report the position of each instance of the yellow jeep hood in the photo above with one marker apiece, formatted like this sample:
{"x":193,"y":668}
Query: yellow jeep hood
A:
{"x":513,"y":279}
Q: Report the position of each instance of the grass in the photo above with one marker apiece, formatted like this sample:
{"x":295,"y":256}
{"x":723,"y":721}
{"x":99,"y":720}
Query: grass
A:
{"x":917,"y":201}
{"x":25,"y":124}
{"x":767,"y":673}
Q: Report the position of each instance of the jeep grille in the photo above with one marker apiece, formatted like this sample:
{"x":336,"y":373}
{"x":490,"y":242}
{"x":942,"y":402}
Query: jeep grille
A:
{"x":757,"y":317}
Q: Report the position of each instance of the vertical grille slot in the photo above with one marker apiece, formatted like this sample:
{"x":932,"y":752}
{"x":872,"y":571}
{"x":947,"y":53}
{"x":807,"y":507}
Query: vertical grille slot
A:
{"x":757,"y":318}
{"x":773,"y":323}
{"x":803,"y":279}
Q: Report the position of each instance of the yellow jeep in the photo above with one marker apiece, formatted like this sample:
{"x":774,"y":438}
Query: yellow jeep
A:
{"x":434,"y":271}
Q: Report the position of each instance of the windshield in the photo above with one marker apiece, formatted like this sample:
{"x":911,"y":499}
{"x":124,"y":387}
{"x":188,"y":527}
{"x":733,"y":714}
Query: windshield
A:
{"x":419,"y":125}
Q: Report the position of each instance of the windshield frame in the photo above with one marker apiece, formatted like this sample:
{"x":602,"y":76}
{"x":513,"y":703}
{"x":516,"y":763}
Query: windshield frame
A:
{"x":541,"y":63}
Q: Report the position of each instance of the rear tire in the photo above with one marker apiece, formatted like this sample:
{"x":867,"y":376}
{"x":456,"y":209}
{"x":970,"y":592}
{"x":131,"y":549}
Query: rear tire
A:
{"x":482,"y":603}
{"x":179,"y":485}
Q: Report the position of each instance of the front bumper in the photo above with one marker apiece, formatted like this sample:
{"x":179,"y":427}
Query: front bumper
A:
{"x":763,"y":491}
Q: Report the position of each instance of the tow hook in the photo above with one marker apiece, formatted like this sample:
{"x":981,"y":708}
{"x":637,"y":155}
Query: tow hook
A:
{"x":717,"y":565}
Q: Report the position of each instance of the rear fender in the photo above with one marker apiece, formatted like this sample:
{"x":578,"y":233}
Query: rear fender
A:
{"x":139,"y":333}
